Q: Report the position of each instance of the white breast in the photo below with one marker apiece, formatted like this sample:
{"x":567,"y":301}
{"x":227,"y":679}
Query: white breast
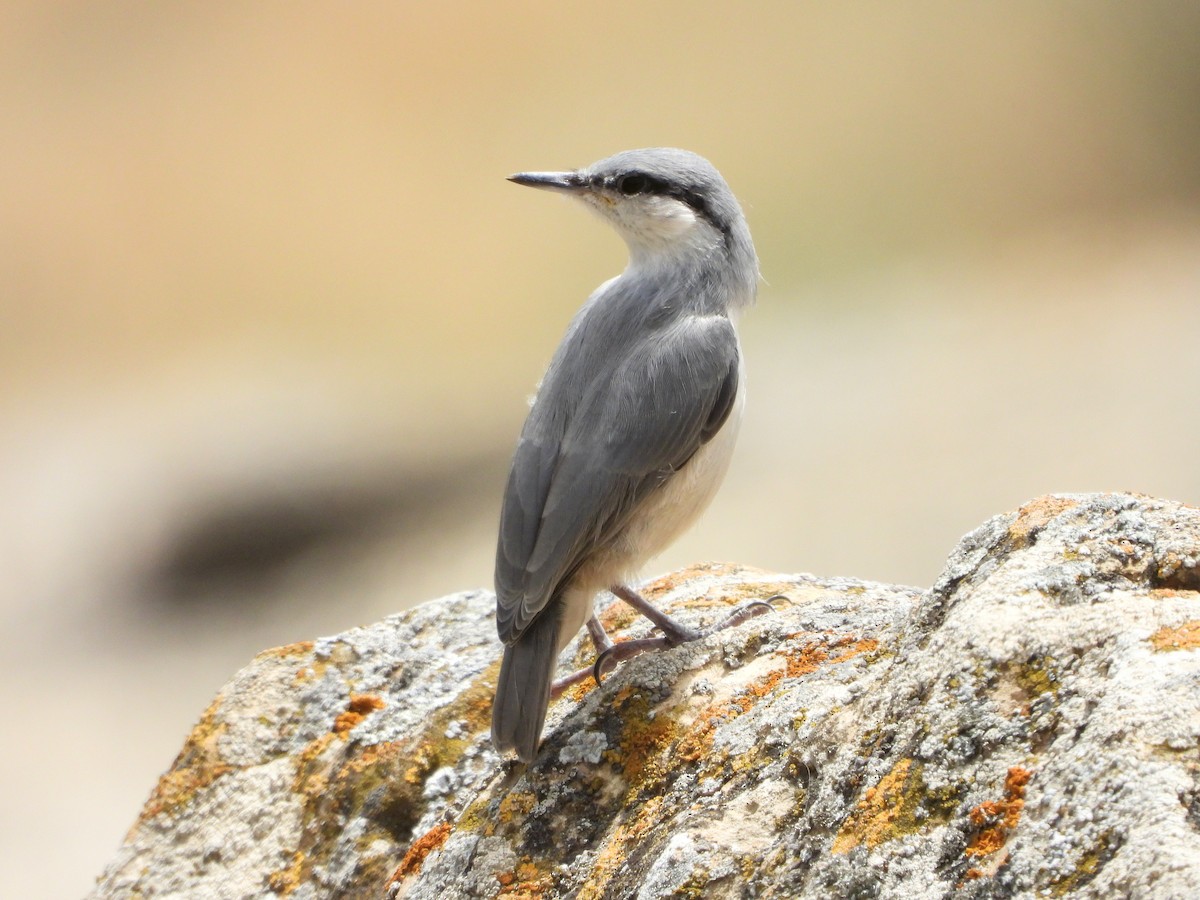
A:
{"x":669,"y":512}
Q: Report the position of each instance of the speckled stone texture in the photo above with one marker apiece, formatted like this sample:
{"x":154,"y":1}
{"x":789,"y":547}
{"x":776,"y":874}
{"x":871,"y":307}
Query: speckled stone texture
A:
{"x":1029,"y":727}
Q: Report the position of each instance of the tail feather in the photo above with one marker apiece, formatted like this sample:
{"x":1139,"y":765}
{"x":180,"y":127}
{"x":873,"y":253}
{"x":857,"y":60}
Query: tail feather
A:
{"x":523,"y":689}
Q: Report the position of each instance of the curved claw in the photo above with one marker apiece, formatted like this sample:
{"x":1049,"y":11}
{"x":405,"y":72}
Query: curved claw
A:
{"x":755,"y":608}
{"x":598,"y":665}
{"x":743,"y":613}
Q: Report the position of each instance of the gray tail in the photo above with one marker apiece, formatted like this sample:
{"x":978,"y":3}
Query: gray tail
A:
{"x":523,"y":690}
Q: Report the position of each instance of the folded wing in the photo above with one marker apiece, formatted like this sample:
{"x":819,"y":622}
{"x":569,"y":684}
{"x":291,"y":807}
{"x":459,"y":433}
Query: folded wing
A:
{"x":576,"y":480}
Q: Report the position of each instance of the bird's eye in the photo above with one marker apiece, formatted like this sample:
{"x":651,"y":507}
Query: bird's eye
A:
{"x":633,"y":184}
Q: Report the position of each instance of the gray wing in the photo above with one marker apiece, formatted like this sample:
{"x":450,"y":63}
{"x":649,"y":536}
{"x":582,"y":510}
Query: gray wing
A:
{"x":574,"y":484}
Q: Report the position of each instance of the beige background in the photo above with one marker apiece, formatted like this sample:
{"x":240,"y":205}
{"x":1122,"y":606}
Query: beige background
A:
{"x":270,"y":313}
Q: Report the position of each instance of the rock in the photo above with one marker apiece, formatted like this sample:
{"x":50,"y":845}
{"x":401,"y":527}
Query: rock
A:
{"x":1030,"y":726}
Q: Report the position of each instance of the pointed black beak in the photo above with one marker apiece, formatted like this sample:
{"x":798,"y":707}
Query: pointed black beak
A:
{"x":549,"y":181}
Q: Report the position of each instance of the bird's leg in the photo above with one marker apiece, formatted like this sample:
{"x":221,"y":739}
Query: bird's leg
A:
{"x":601,"y":641}
{"x":674,"y":633}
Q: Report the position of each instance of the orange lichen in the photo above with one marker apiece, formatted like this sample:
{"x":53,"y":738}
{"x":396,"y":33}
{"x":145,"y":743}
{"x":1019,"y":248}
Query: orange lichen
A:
{"x":617,"y":617}
{"x":813,"y":656}
{"x":177,"y":786}
{"x":525,"y":882}
{"x":345,"y":722}
{"x":424,"y":763}
{"x":348,"y":781}
{"x":284,"y":881}
{"x":885,"y":811}
{"x":644,"y":738}
{"x":360,"y":706}
{"x":365,"y":704}
{"x":198,"y":765}
{"x":517,"y":804}
{"x":865,"y":645}
{"x":579,"y":690}
{"x":299,"y":648}
{"x":419,"y":849}
{"x":311,"y":779}
{"x":1182,"y":637}
{"x":996,"y":819}
{"x":1036,"y":515}
{"x":697,"y":741}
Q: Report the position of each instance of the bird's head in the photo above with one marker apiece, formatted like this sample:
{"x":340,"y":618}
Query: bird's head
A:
{"x":665,"y":203}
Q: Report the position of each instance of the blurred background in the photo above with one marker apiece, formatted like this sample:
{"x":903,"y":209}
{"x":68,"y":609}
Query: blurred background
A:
{"x":269,"y":313}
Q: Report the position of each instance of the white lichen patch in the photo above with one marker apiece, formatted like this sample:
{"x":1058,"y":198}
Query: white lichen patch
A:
{"x":583,"y":746}
{"x":749,"y":819}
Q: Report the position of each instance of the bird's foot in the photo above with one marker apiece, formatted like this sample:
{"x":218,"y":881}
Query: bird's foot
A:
{"x":674,"y":633}
{"x":608,"y":654}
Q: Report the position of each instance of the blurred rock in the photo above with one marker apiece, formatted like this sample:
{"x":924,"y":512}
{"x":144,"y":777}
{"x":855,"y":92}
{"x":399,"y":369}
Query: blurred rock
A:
{"x":241,"y":543}
{"x":1030,"y":725}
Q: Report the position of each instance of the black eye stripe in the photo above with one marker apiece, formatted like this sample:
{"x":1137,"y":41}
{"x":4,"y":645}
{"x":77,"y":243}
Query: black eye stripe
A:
{"x":632,"y":184}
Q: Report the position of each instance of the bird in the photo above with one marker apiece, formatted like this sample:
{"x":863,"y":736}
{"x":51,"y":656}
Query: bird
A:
{"x":631,"y":429}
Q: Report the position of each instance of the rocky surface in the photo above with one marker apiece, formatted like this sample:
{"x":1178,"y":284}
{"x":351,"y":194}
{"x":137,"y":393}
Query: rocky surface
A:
{"x":1030,"y":726}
